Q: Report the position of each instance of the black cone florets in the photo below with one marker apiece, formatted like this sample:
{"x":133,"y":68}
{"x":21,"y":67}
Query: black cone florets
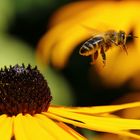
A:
{"x":23,"y":90}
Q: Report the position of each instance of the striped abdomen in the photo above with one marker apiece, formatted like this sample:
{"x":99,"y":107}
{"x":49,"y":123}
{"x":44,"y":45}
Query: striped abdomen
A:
{"x":90,"y":46}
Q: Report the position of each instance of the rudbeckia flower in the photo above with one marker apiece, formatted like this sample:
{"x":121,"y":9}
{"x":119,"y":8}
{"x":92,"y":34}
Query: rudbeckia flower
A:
{"x":26,"y":113}
{"x":70,"y":26}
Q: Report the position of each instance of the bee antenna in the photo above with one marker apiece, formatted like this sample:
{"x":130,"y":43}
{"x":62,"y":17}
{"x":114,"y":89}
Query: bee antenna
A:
{"x":132,"y":36}
{"x":135,"y":36}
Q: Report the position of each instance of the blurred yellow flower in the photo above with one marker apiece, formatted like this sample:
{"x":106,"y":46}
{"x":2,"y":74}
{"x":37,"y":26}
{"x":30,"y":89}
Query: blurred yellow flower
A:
{"x":67,"y":32}
{"x":132,"y":113}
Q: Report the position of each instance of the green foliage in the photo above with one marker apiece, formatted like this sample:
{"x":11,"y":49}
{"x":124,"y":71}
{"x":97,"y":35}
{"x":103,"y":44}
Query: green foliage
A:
{"x":60,"y":89}
{"x":6,"y":14}
{"x":13,"y":51}
{"x":25,"y":6}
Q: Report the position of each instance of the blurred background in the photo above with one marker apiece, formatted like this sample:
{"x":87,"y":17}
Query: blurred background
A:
{"x":22,"y":25}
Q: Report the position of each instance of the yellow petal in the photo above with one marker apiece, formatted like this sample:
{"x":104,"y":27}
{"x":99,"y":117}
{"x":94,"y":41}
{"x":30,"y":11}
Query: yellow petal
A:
{"x":115,"y":123}
{"x":6,"y":128}
{"x":128,"y":134}
{"x":71,"y":11}
{"x":96,"y":109}
{"x":62,"y":39}
{"x":71,"y":131}
{"x":104,"y":124}
{"x":2,"y":118}
{"x":19,"y":130}
{"x":56,"y":129}
{"x":29,"y":129}
{"x":119,"y":67}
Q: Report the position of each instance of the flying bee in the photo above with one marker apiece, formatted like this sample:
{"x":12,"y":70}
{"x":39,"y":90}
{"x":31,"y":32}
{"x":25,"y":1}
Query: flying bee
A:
{"x":100,"y":43}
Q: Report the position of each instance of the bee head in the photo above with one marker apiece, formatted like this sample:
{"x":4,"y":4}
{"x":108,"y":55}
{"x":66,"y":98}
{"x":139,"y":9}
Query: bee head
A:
{"x":121,"y":37}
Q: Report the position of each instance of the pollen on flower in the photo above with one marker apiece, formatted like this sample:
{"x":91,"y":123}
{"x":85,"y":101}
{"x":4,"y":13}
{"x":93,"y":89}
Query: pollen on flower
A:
{"x":23,"y":90}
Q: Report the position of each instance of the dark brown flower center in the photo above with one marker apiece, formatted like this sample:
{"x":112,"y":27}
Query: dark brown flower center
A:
{"x":23,"y":90}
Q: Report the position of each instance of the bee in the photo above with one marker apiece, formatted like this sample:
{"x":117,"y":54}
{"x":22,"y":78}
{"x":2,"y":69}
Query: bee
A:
{"x":101,"y":43}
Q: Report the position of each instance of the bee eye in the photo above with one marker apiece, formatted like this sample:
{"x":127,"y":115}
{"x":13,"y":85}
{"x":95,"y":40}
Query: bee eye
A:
{"x":122,"y":36}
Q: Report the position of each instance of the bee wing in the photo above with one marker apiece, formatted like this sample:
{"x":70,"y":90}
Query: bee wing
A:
{"x":93,"y":31}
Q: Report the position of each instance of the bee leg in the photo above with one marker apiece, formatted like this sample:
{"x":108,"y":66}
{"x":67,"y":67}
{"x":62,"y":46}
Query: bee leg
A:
{"x":94,"y":57}
{"x":102,"y":51}
{"x":106,"y":48}
{"x":113,"y":42}
{"x":122,"y":47}
{"x":125,"y":49}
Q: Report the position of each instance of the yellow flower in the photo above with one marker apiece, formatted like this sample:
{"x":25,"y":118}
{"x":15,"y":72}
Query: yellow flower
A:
{"x":25,"y":112}
{"x":49,"y":125}
{"x":67,"y":31}
{"x":24,"y":101}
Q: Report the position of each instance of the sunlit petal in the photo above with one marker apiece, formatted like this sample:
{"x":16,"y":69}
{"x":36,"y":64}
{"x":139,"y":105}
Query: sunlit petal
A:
{"x":106,"y":124}
{"x":6,"y":124}
{"x":60,"y":132}
{"x":31,"y":129}
{"x":71,"y":131}
{"x":82,"y":125}
{"x":3,"y":117}
{"x":19,"y":130}
{"x":96,"y":109}
{"x":121,"y":123}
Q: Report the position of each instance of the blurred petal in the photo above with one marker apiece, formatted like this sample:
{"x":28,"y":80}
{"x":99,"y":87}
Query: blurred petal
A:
{"x":131,"y":113}
{"x":62,"y":38}
{"x":71,"y":10}
{"x":121,"y":67}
